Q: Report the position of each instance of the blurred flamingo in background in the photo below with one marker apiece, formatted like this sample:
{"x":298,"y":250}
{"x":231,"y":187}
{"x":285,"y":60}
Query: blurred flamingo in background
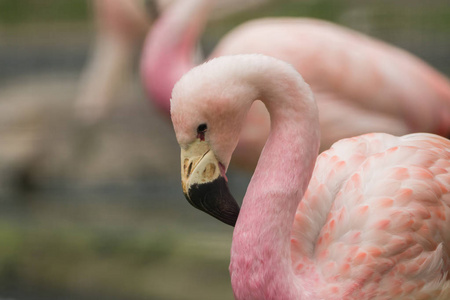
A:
{"x":361,"y":84}
{"x":368,"y":220}
{"x":121,"y":26}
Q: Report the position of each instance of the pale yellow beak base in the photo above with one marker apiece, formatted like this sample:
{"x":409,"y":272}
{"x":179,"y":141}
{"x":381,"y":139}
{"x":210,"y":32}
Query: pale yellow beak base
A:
{"x":203,"y":185}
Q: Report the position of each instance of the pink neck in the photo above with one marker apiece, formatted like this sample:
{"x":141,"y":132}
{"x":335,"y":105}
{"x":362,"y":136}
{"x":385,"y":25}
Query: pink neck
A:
{"x":260,"y":257}
{"x":169,"y":49}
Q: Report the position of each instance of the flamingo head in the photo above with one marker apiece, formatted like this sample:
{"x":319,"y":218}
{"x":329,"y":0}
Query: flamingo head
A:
{"x":208,"y":109}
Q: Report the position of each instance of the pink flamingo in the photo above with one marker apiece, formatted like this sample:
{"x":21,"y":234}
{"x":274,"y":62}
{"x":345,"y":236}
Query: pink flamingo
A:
{"x":121,"y":25}
{"x":368,"y":220}
{"x":385,"y":88}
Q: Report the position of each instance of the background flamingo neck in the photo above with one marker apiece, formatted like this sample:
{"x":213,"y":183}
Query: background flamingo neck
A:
{"x":110,"y":59}
{"x":170,"y":47}
{"x":261,"y":260}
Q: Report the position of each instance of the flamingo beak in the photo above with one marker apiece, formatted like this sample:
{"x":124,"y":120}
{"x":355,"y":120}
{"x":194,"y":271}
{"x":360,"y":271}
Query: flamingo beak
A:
{"x":204,"y":183}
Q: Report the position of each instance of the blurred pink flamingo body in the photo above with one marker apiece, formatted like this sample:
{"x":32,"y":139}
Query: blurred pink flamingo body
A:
{"x":368,"y":220}
{"x":384,"y":89}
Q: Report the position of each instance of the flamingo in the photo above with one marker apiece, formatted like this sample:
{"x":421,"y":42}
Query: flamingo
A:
{"x":385,"y":89}
{"x":368,"y":219}
{"x":121,"y":26}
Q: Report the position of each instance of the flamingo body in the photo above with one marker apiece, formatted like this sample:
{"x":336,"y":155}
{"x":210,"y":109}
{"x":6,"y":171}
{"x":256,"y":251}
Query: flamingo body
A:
{"x":395,"y":86}
{"x":383,"y":206}
{"x":369,"y":219}
{"x":361,"y":84}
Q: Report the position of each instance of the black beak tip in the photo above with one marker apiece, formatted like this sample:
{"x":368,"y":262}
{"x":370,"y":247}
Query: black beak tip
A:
{"x":215,"y":199}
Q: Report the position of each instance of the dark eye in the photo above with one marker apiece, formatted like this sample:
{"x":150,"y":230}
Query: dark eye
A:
{"x":201,"y":129}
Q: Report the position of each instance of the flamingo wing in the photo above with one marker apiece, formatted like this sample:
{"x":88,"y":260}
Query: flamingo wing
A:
{"x":377,"y":217}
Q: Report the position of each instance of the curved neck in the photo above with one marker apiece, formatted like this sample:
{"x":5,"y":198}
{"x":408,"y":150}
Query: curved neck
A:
{"x":260,"y":258}
{"x":169,"y":48}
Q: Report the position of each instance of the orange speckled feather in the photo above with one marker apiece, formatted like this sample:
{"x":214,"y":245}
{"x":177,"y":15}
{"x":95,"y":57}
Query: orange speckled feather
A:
{"x":377,"y":216}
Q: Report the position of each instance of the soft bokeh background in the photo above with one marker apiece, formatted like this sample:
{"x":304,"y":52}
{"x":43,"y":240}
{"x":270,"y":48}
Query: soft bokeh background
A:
{"x":98,"y":212}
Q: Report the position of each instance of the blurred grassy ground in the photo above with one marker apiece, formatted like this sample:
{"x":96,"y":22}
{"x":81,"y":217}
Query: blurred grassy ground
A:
{"x":115,"y":244}
{"x":115,"y":252}
{"x":18,"y":12}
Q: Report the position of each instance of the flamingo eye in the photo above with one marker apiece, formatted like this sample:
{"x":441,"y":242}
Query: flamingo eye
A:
{"x":201,"y":129}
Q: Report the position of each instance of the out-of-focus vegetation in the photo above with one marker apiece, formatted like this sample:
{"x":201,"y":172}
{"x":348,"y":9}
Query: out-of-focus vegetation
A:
{"x":410,"y":15}
{"x":111,"y":251}
{"x":113,"y":263}
{"x":18,"y":12}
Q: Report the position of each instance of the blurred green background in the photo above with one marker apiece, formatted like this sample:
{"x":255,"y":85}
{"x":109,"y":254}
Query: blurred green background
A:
{"x":110,"y":221}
